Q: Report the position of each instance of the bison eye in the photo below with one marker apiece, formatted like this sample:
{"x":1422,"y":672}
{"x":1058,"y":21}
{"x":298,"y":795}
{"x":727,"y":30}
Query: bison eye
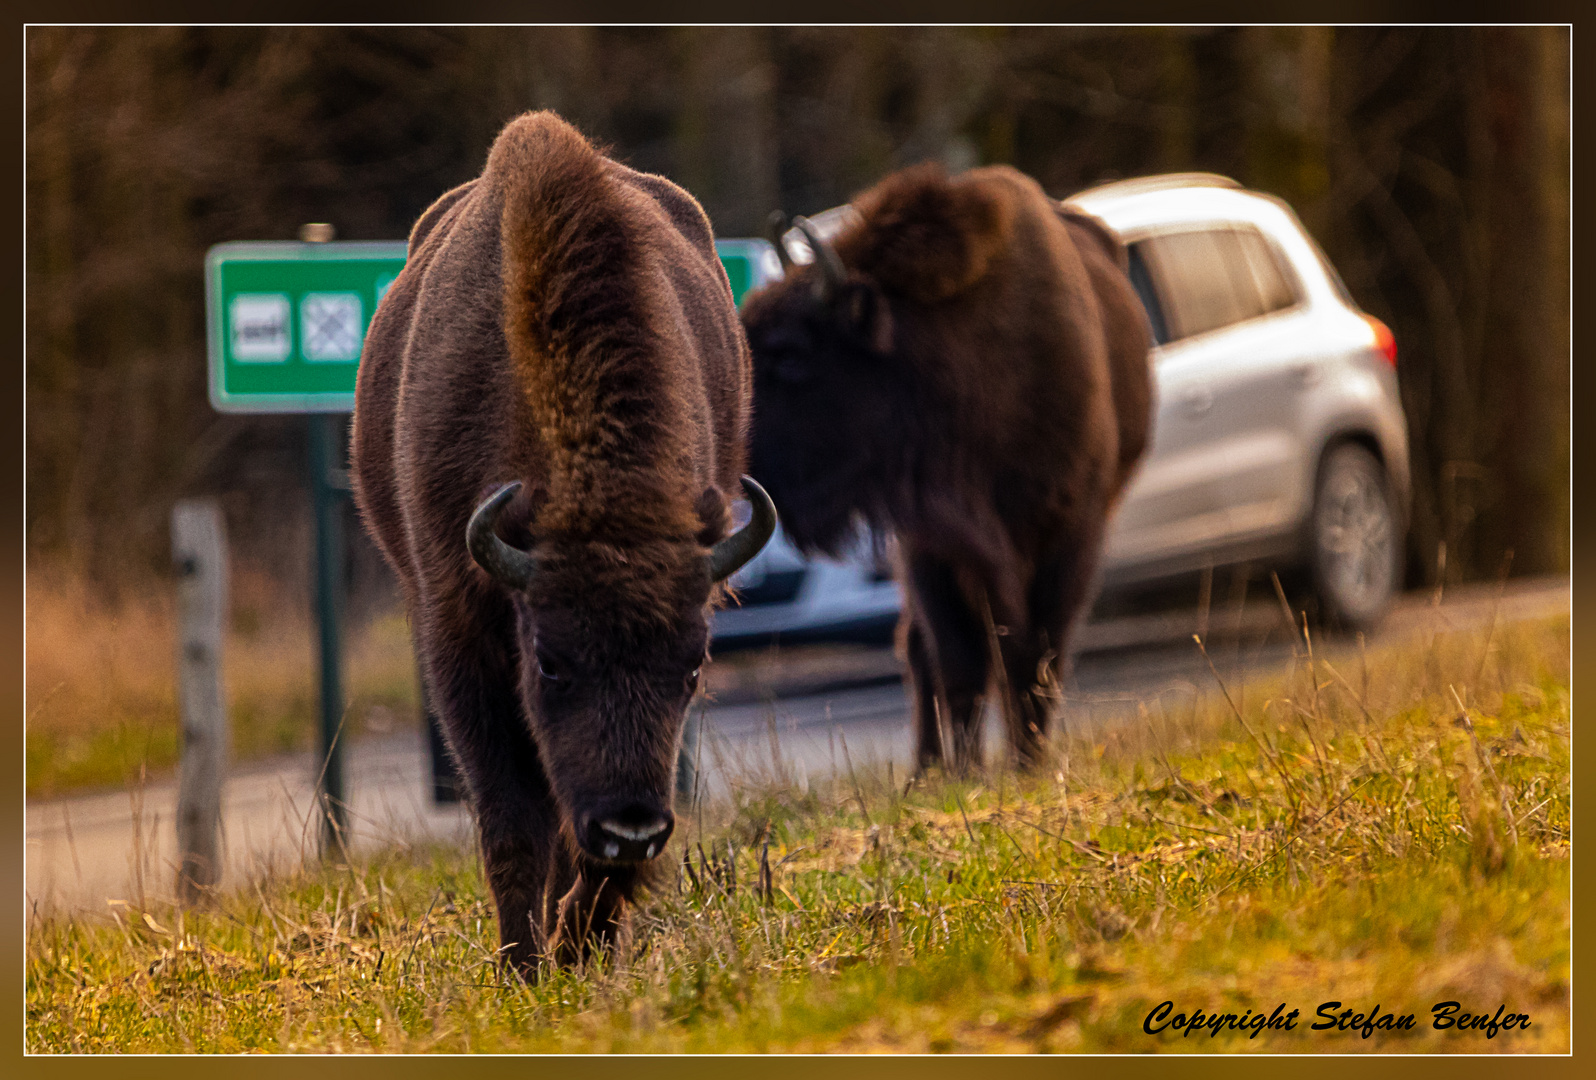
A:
{"x":550,"y":669}
{"x":793,"y":369}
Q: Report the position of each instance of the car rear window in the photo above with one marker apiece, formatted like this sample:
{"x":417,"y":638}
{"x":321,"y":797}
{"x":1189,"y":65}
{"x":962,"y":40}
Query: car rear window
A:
{"x":1204,"y":279}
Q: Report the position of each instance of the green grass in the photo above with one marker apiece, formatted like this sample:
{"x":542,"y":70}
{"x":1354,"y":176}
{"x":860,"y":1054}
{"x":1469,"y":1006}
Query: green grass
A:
{"x":1369,"y":846}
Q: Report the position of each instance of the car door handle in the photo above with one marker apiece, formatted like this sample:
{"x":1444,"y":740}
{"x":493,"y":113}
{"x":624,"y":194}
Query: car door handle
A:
{"x":1308,"y":375}
{"x":1197,"y":401}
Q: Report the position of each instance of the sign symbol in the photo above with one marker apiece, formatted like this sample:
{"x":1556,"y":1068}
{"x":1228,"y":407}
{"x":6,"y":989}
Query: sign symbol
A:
{"x":259,"y":324}
{"x":330,"y":324}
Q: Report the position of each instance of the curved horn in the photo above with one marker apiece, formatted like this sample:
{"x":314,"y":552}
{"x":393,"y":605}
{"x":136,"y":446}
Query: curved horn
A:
{"x":776,"y":223}
{"x":832,"y":272}
{"x":728,"y":556}
{"x":507,"y":565}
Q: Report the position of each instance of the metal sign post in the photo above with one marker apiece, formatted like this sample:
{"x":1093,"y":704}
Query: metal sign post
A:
{"x":328,"y":485}
{"x":286,"y":322}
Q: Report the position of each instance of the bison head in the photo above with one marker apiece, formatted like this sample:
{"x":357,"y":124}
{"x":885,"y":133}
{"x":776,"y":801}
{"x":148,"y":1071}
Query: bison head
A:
{"x":857,"y":389}
{"x":830,"y":396}
{"x":612,"y":637}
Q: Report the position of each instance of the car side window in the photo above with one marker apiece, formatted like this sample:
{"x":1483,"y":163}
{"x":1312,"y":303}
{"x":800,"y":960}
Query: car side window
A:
{"x":1272,"y":288}
{"x":1142,"y":282}
{"x":1204,"y":279}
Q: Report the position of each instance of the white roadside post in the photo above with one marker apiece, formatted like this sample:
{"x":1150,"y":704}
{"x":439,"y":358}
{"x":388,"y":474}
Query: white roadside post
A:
{"x":199,"y":554}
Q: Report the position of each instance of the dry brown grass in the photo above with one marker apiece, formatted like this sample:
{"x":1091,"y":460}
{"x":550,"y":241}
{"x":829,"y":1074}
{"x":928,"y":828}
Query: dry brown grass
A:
{"x":101,"y":686}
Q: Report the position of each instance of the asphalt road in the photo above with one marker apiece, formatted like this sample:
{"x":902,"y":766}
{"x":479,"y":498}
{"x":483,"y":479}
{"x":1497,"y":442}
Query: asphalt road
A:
{"x":1121,"y":664}
{"x":797,"y":714}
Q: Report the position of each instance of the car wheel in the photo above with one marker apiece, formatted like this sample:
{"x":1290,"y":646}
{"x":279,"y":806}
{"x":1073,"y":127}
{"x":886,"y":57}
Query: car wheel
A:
{"x":1356,"y":542}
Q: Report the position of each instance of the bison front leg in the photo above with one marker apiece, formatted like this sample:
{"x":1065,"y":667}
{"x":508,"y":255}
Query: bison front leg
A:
{"x":1030,"y":669}
{"x":593,"y":915}
{"x":932,"y":738}
{"x":947,"y":657}
{"x":516,"y":863}
{"x":473,"y":685}
{"x":1036,"y":661}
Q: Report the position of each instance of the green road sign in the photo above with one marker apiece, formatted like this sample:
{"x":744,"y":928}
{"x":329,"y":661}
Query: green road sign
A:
{"x":286,"y":320}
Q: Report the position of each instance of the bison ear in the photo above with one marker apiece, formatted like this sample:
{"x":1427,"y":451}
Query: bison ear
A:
{"x":714,"y":516}
{"x":871,"y":317}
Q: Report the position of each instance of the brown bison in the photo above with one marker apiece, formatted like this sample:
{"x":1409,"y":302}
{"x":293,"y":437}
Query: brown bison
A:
{"x":551,"y":411}
{"x":967,"y":366}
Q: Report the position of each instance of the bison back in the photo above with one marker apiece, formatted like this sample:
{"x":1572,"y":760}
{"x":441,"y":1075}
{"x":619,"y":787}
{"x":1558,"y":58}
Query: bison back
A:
{"x":1125,"y":330}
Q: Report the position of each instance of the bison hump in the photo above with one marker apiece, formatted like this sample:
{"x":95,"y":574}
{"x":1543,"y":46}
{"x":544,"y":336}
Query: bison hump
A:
{"x":1082,"y":224}
{"x":926,"y":236}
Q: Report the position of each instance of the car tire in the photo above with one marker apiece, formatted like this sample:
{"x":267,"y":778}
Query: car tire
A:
{"x":1355,"y":539}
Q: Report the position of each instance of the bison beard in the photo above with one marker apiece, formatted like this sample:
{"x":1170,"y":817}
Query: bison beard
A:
{"x":966,"y":366}
{"x":559,"y":365}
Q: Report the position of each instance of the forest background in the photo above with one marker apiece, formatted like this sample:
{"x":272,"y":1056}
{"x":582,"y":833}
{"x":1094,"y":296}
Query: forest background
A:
{"x":1431,"y":163}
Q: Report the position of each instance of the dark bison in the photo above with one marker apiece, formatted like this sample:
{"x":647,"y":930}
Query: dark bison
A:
{"x":560,"y":368}
{"x":967,"y":366}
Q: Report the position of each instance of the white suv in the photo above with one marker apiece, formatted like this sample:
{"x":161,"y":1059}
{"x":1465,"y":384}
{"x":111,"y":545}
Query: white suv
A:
{"x":1279,"y":438}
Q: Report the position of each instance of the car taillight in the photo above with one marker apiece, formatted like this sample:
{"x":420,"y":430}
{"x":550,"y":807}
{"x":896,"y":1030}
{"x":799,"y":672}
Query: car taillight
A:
{"x":1384,"y":343}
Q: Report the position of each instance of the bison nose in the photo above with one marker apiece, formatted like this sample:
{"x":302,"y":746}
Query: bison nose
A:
{"x":634,"y":833}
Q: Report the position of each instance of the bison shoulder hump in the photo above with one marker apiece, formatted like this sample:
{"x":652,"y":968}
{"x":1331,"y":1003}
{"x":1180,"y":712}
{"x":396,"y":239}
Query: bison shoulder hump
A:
{"x":679,"y":207}
{"x":436,"y":213}
{"x":1088,"y":226}
{"x":545,"y":168}
{"x":928,"y":236}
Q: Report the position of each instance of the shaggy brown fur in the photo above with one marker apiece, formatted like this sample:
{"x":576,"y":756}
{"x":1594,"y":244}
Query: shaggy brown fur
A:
{"x":563,"y":321}
{"x":979,"y":385}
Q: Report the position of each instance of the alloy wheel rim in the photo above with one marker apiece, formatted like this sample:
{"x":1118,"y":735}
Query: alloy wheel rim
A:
{"x":1355,"y":537}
